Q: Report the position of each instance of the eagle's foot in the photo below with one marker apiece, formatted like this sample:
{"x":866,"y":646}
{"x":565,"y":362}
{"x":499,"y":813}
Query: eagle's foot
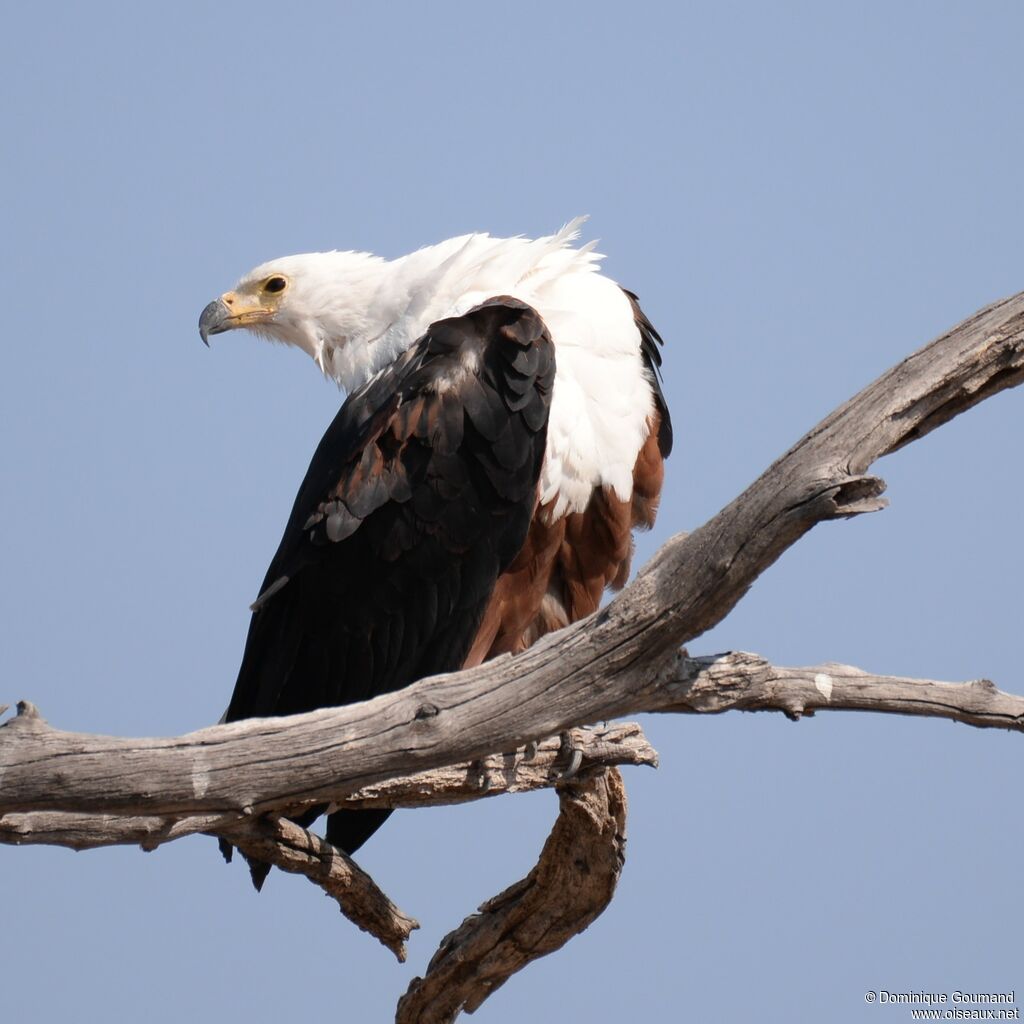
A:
{"x":573,"y":753}
{"x":481,"y":770}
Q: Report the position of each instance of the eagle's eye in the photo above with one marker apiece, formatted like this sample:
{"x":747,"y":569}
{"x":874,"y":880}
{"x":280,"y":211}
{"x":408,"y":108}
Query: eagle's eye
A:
{"x":275,"y":284}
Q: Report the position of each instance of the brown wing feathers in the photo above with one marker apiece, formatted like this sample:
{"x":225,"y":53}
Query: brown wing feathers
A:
{"x":418,"y":497}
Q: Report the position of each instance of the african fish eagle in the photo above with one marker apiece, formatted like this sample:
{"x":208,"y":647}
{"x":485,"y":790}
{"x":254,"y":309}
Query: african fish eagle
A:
{"x":504,"y":433}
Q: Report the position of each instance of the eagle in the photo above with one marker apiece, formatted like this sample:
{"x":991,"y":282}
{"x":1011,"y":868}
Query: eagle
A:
{"x":504,"y":434}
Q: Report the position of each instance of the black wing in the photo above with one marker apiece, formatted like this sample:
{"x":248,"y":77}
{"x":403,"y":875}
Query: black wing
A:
{"x":418,"y":497}
{"x":650,"y":348}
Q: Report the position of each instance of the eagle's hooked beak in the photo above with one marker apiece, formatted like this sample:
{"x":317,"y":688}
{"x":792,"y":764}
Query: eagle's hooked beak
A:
{"x":228,"y":312}
{"x":213,"y":320}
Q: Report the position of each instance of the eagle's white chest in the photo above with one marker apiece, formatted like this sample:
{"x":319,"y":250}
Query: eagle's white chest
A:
{"x":603,"y":396}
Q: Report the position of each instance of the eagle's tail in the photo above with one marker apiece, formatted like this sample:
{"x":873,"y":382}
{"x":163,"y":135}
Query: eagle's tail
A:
{"x":347,"y":830}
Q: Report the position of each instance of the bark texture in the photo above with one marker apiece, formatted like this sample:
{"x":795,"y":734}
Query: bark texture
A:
{"x":276,"y":840}
{"x":573,"y":881}
{"x":73,"y":788}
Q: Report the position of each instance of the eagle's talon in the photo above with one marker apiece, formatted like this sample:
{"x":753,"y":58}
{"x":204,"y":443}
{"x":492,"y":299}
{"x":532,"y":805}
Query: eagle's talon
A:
{"x":480,"y":769}
{"x":575,"y":757}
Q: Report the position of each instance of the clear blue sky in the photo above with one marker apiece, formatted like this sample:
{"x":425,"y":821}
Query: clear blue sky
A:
{"x":800,"y":193}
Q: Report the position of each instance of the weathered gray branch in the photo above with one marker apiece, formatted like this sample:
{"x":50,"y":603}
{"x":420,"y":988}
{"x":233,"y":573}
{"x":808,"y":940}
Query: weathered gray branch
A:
{"x":287,"y":846}
{"x":618,"y":743}
{"x":745,"y":682}
{"x":280,"y":842}
{"x":623,"y":660}
{"x":706,"y":685}
{"x":612,"y":664}
{"x":572,"y":883}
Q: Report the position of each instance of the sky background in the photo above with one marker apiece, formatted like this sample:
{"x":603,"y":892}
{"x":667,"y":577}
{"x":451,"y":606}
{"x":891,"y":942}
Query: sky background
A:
{"x":801,"y":194}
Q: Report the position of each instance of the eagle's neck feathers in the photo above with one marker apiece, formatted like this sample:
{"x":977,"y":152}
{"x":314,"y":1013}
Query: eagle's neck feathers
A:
{"x":354,"y":314}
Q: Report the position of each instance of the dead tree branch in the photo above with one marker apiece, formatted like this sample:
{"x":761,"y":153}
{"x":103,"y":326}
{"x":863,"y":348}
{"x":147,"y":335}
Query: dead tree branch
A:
{"x":278,"y":841}
{"x":745,"y":682}
{"x":285,"y":845}
{"x":611,"y":664}
{"x":619,"y":743}
{"x":622,"y":660}
{"x":573,"y":881}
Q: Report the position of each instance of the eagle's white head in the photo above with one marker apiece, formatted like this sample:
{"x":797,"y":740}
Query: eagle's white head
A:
{"x":354,"y":313}
{"x":325,"y":303}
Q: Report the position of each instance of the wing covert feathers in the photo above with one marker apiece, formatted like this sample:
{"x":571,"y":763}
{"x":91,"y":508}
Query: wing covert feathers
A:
{"x":418,"y":497}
